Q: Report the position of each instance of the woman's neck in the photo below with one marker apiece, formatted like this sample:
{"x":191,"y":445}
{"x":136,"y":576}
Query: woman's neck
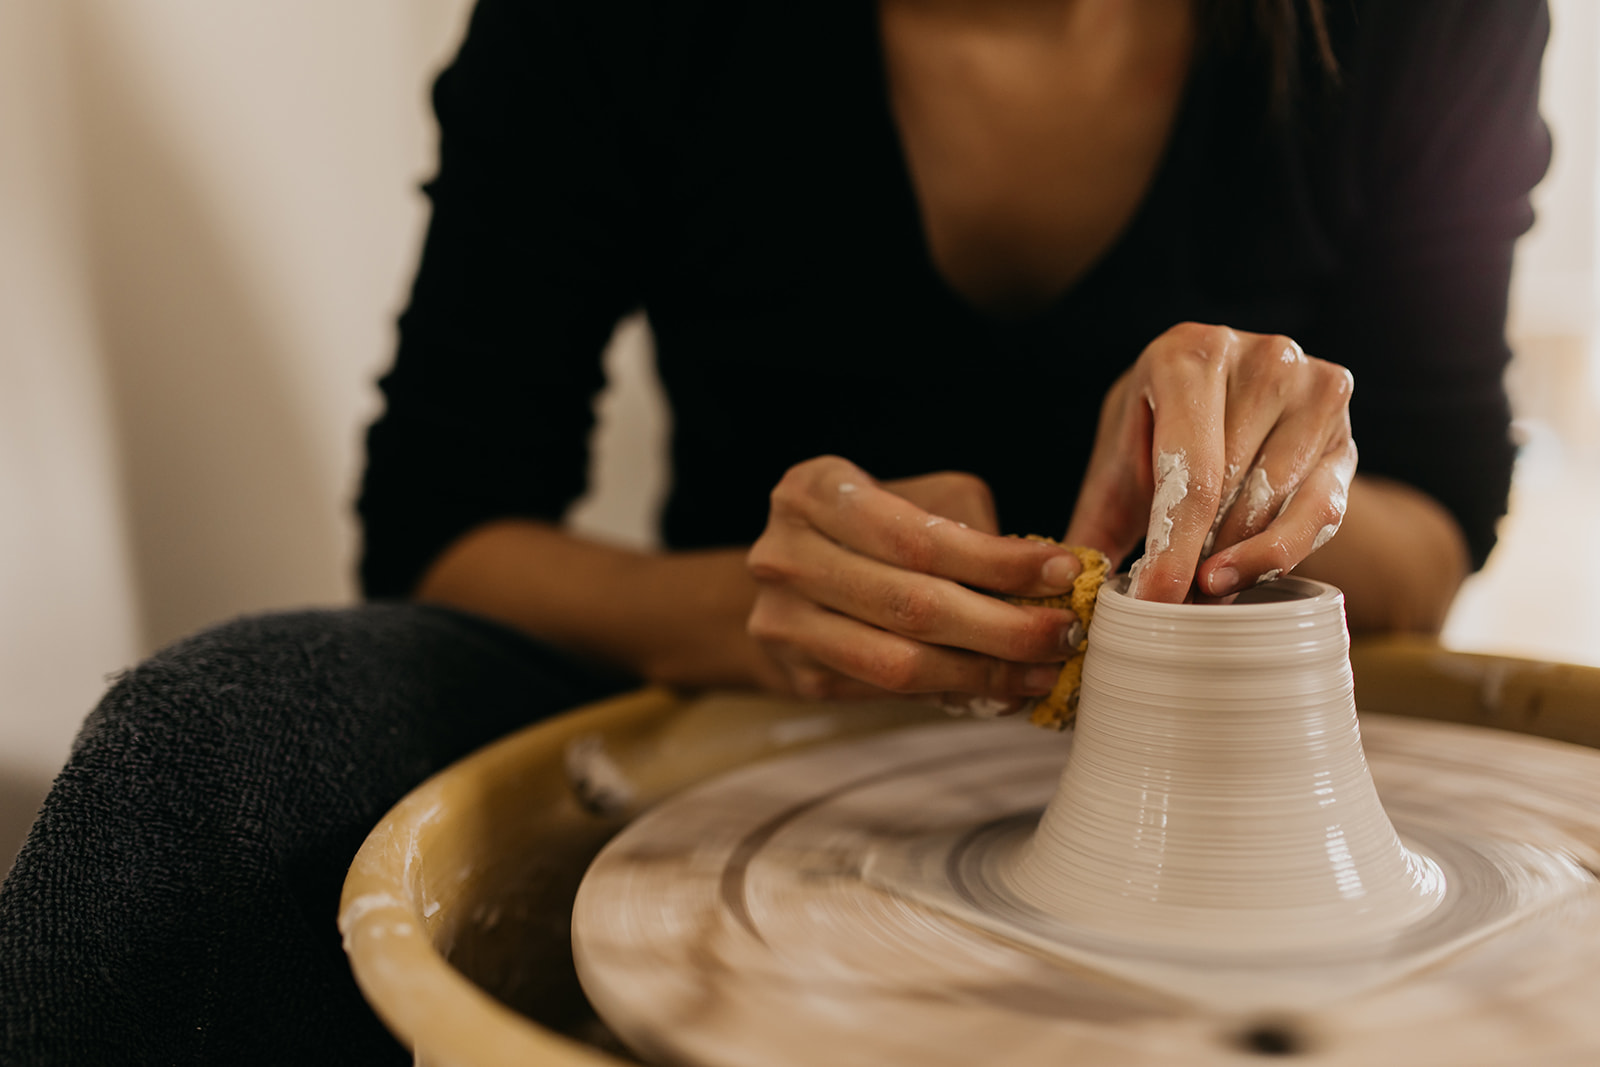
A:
{"x":1032,"y":130}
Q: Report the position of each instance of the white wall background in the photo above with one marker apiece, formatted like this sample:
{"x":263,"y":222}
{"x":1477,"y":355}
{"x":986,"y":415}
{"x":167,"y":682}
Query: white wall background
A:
{"x":208,"y":219}
{"x":1539,"y":596}
{"x":1556,"y":288}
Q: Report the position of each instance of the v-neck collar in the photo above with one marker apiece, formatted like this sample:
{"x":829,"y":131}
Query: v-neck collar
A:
{"x":1153,"y":208}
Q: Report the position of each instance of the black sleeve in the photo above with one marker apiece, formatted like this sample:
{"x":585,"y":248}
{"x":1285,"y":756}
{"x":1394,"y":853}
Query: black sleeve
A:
{"x":1446,"y":146}
{"x":530,"y":260}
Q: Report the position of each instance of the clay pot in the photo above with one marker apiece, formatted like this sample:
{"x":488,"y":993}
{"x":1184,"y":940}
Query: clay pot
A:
{"x":1217,"y":797}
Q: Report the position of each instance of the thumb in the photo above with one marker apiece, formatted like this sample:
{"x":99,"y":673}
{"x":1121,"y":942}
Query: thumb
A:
{"x":1111,"y":515}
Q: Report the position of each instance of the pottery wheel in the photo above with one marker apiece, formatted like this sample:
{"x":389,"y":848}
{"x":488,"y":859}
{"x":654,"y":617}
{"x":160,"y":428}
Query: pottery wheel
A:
{"x":786,"y":913}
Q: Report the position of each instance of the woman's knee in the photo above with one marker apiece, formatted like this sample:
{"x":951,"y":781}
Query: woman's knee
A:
{"x":254,"y":679}
{"x":362,"y":697}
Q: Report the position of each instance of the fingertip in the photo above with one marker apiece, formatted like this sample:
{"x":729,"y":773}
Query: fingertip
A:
{"x":1222,"y":581}
{"x":1059,"y":572}
{"x":1039,"y":680}
{"x":1159,"y":582}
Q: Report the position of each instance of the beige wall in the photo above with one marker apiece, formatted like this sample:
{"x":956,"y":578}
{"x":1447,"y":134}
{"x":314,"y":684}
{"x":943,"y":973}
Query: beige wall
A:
{"x":1539,"y":595}
{"x":208,"y":217}
{"x":251,"y":220}
{"x":67,"y":607}
{"x":1556,"y":287}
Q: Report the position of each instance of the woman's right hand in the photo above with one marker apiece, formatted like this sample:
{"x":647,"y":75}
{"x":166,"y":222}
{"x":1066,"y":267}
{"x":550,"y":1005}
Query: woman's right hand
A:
{"x":867,"y":589}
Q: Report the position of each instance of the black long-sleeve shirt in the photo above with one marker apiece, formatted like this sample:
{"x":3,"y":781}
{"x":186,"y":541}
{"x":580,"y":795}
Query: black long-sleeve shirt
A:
{"x":732,"y":167}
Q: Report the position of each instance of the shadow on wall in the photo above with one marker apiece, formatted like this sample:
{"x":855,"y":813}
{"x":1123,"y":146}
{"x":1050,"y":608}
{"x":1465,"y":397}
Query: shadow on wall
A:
{"x":224,"y":500}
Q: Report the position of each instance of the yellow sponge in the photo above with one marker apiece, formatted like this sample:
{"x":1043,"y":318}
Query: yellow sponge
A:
{"x":1057,"y":710}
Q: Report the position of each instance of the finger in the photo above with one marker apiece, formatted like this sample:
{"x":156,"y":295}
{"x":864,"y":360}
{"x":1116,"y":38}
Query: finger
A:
{"x":846,"y":505}
{"x":1307,"y":522}
{"x":932,"y":610}
{"x":1112,"y":511}
{"x":1314,"y":422}
{"x":809,"y":679}
{"x":1188,"y":399}
{"x":770,"y":622}
{"x":1254,"y":406}
{"x":1273,"y":480}
{"x":889,"y":661}
{"x":954,"y":495}
{"x":1234,"y":476}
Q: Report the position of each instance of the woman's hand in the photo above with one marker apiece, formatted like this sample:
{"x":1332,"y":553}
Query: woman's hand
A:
{"x":1229,"y":453}
{"x":867,"y":588}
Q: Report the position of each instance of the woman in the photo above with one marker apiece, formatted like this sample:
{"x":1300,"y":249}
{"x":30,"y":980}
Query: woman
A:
{"x":827,"y":216}
{"x":1076,"y":250}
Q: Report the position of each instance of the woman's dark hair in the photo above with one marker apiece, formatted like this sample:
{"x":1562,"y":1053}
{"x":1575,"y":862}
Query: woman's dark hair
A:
{"x":1278,"y":30}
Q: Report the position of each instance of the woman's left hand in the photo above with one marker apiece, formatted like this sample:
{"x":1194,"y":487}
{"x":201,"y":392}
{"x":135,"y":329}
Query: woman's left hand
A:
{"x":1229,"y":453}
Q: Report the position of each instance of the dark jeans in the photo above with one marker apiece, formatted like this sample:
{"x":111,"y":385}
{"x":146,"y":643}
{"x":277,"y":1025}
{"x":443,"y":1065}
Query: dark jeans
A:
{"x":175,"y":901}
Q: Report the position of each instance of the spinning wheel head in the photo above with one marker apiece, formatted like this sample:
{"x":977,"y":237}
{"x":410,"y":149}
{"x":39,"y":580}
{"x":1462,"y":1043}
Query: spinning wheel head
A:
{"x":1213,"y":858}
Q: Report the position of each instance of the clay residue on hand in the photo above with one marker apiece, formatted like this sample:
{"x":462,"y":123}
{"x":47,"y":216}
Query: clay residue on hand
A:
{"x":1228,"y":498}
{"x":1257,"y":495}
{"x":1172,"y":487}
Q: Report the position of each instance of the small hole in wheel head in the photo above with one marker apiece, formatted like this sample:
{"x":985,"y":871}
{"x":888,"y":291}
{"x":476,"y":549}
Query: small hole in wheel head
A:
{"x":1272,"y":1039}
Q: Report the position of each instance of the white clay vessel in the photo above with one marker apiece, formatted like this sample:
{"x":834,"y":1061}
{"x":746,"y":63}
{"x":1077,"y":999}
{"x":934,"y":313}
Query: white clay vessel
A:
{"x":1217,"y":797}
